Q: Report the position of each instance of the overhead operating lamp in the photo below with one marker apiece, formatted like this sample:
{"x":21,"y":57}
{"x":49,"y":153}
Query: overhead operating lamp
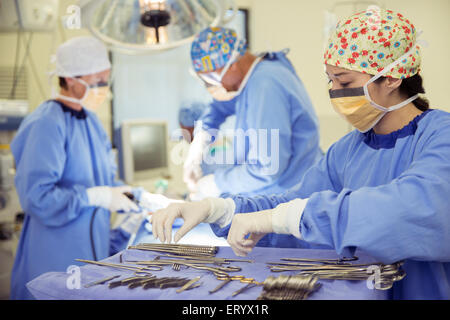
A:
{"x":143,"y":26}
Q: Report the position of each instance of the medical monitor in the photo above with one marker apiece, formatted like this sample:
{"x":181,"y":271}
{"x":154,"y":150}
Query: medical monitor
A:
{"x":144,"y":150}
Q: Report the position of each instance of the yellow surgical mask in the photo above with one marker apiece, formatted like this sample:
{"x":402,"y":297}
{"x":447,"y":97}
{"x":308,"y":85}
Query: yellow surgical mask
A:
{"x":93,"y":97}
{"x":353,"y":105}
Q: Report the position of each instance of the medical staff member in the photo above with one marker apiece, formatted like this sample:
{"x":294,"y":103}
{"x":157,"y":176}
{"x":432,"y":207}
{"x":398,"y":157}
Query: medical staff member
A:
{"x":383,"y":188}
{"x":65,"y":170}
{"x":266,"y":95}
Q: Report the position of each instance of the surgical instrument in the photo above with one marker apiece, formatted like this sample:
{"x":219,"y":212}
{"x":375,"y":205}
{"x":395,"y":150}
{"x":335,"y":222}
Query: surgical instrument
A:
{"x":178,"y":249}
{"x":137,"y":270}
{"x":102,"y":281}
{"x":214,"y":259}
{"x":248,"y":286}
{"x":387,"y":274}
{"x":188,"y":285}
{"x":227,"y":279}
{"x":216,"y":270}
{"x":297,"y":287}
{"x":324,"y":261}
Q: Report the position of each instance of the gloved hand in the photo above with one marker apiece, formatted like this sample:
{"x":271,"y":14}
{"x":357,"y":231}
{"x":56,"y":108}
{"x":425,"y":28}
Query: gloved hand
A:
{"x":211,"y":210}
{"x":152,"y":201}
{"x":192,"y":169}
{"x":111,"y":198}
{"x":284,"y":219}
{"x":206,"y":187}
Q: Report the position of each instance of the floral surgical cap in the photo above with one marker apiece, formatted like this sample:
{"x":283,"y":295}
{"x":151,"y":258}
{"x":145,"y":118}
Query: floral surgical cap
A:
{"x":371,"y":40}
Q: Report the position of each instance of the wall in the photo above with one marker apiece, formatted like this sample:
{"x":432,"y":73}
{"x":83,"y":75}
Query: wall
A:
{"x":43,"y":45}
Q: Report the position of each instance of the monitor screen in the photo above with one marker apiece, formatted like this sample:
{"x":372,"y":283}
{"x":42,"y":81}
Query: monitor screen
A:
{"x":148,"y":143}
{"x":143,"y":151}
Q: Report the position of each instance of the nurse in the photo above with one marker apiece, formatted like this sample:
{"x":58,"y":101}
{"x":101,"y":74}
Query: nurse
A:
{"x":383,"y":188}
{"x":65,"y":171}
{"x":277,"y":132}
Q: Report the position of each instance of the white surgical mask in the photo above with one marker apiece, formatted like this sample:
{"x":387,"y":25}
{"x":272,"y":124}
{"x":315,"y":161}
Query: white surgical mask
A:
{"x":221,"y":94}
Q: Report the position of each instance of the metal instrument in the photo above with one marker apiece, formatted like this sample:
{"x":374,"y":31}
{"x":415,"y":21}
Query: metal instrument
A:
{"x":102,"y":281}
{"x":138,"y":271}
{"x":387,"y":274}
{"x":297,"y":287}
{"x":243,"y":289}
{"x":178,"y":249}
{"x":227,"y":279}
{"x":214,"y":260}
{"x":189,"y":285}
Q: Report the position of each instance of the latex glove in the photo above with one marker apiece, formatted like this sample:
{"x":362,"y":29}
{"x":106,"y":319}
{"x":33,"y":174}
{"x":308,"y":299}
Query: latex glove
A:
{"x":207,"y":186}
{"x":211,"y":210}
{"x":152,"y":201}
{"x":111,"y":198}
{"x":192,"y":170}
{"x":284,"y":219}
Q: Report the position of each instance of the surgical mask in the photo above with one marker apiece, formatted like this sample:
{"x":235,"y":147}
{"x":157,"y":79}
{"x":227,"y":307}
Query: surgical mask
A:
{"x":215,"y":88}
{"x":94,"y":96}
{"x":358,"y":108}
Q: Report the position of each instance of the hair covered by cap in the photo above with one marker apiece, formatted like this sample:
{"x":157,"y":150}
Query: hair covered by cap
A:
{"x":81,"y":56}
{"x":213,"y":47}
{"x":371,"y":40}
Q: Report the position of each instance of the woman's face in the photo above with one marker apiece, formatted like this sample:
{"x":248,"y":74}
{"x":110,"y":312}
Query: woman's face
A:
{"x":341,"y":78}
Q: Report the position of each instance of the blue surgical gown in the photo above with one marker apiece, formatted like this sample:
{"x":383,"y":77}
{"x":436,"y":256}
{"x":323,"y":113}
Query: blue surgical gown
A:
{"x":274,"y":98}
{"x":59,"y":153}
{"x":388,"y":195}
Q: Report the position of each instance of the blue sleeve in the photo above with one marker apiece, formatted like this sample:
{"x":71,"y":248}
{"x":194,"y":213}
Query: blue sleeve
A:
{"x":322,"y":176}
{"x":408,"y":218}
{"x":217,"y":113}
{"x":268,"y":114}
{"x":118,"y":240}
{"x":40,"y":162}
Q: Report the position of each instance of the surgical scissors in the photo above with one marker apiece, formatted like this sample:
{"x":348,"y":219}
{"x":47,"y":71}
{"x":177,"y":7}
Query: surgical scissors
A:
{"x":227,"y":279}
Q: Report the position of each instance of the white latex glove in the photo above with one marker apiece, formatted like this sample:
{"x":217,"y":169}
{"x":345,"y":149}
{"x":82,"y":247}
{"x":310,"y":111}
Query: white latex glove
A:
{"x":206,"y":188}
{"x":153,"y":201}
{"x":192,"y":169}
{"x":284,"y":219}
{"x":211,"y":210}
{"x":111,"y":198}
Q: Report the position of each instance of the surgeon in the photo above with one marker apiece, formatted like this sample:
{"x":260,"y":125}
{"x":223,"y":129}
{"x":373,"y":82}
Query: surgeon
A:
{"x":65,"y":171}
{"x":383,"y":188}
{"x":277,"y":132}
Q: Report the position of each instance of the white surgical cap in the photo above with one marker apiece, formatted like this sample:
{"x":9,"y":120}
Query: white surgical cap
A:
{"x":81,"y":56}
